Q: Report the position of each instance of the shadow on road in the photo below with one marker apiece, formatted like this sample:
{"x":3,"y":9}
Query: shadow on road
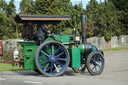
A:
{"x":33,"y":73}
{"x":26,"y":73}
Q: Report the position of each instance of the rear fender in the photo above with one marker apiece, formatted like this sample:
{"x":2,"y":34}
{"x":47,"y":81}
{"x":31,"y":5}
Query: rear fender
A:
{"x":50,"y":38}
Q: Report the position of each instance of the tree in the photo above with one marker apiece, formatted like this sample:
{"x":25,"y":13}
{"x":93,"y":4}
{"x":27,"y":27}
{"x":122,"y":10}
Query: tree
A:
{"x":27,"y":7}
{"x":76,"y":16}
{"x":122,"y":6}
{"x":92,"y":12}
{"x":7,"y":24}
{"x":3,"y":5}
{"x":55,"y":7}
{"x":112,"y":21}
{"x":11,"y":8}
{"x":104,"y":19}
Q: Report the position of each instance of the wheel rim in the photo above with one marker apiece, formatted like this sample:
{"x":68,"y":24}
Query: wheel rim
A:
{"x":53,"y":59}
{"x":96,"y":63}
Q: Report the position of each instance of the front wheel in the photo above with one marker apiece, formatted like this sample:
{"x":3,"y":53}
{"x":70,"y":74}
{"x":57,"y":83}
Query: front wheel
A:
{"x":95,"y":63}
{"x":52,"y":58}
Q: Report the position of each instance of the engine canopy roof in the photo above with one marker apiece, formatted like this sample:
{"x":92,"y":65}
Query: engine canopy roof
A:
{"x":41,"y":18}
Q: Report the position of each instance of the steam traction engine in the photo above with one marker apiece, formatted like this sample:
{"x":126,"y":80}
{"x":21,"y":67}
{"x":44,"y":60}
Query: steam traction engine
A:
{"x":59,"y":51}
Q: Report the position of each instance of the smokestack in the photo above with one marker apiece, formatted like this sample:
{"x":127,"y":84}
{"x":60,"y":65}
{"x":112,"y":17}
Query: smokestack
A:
{"x":83,"y":25}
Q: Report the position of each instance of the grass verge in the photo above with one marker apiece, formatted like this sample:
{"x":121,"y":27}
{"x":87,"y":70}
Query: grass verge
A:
{"x":115,"y":49}
{"x":8,"y":67}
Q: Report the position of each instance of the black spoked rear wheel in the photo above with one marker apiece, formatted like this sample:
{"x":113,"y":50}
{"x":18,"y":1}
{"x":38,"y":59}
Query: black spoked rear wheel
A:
{"x":52,"y":58}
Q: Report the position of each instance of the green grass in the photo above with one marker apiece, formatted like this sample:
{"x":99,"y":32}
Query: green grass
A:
{"x":9,"y":67}
{"x":115,"y":49}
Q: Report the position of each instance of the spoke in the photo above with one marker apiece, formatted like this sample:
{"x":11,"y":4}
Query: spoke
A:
{"x":51,"y":68}
{"x":48,"y":49}
{"x":44,"y":53}
{"x":52,"y":49}
{"x":56,"y":68}
{"x":99,"y":61}
{"x":58,"y":49}
{"x":46,"y":67}
{"x":62,"y":59}
{"x":59,"y":54}
{"x":94,"y":61}
{"x":59,"y":64}
{"x":100,"y":58}
{"x":95,"y":68}
{"x":98,"y":65}
{"x":42,"y":57}
{"x":44,"y":62}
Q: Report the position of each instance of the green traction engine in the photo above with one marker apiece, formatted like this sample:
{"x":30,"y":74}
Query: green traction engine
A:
{"x":60,"y":51}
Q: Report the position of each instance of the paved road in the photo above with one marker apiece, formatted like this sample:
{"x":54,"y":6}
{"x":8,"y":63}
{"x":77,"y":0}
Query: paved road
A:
{"x":115,"y":73}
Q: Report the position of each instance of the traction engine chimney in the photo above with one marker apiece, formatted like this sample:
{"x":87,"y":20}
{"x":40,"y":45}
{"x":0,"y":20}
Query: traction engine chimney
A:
{"x":83,"y":25}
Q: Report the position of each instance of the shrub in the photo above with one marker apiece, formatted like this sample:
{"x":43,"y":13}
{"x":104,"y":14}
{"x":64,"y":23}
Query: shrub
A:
{"x":7,"y":56}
